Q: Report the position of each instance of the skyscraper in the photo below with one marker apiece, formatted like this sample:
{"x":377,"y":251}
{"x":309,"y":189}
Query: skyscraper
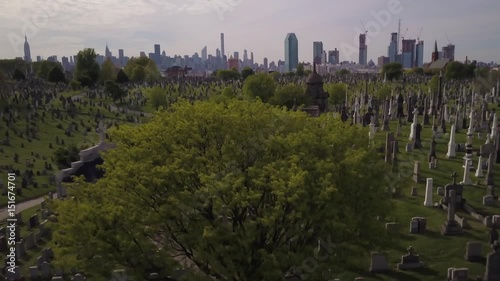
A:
{"x":265,"y":63}
{"x":251,"y":58}
{"x":121,"y":57}
{"x":363,"y":50}
{"x":27,"y":51}
{"x":245,"y":58}
{"x":333,"y":57}
{"x":291,"y":52}
{"x":449,"y":52}
{"x":317,"y":52}
{"x":157,"y":55}
{"x":204,"y":54}
{"x":236,"y":55}
{"x":392,"y":52}
{"x":419,"y":57}
{"x":107,"y":53}
{"x":222,"y":45}
{"x":408,"y":54}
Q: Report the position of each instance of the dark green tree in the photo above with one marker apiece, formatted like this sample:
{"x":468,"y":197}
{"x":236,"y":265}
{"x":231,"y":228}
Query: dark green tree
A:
{"x":260,"y":85}
{"x":343,"y":72}
{"x":56,"y":75}
{"x":290,"y":95}
{"x":87,"y":69}
{"x":337,"y":93}
{"x":65,"y":155}
{"x":231,"y":74}
{"x":246,"y":71}
{"x":455,"y":70}
{"x":114,"y":91}
{"x":18,"y":75}
{"x":300,"y":70}
{"x":121,"y":77}
{"x":392,"y":71}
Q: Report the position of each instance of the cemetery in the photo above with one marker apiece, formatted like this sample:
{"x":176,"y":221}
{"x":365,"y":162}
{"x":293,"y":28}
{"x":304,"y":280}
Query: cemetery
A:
{"x":441,"y":150}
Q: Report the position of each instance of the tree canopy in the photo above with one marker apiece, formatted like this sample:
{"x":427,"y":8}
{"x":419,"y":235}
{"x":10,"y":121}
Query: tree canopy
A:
{"x":142,"y":69}
{"x":392,"y":71}
{"x":157,"y":97}
{"x":121,"y":77}
{"x":228,"y":74}
{"x":260,"y":85}
{"x":114,"y":90}
{"x":87,"y":69}
{"x":108,"y":71}
{"x":42,"y":69}
{"x":300,"y":70}
{"x":246,"y":71}
{"x":239,"y":190}
{"x":56,"y":75}
{"x":290,"y":95}
{"x":18,"y":75}
{"x":458,"y":70}
{"x":337,"y":93}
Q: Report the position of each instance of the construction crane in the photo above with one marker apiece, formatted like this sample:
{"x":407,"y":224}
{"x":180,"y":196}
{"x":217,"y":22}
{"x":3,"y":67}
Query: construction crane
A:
{"x":418,"y":36}
{"x":448,"y":39}
{"x":404,"y":35}
{"x":364,"y":27}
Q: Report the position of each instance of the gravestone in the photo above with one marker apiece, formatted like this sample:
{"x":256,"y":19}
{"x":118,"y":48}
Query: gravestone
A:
{"x":30,"y":241}
{"x":440,"y":191}
{"x":418,"y":141}
{"x":451,"y":226}
{"x":458,"y":274}
{"x":418,"y":225}
{"x":416,"y":171}
{"x":378,"y":263}
{"x":392,"y":227}
{"x":458,"y":192}
{"x":428,"y":193}
{"x":33,"y":273}
{"x":488,"y":200}
{"x":410,"y":260}
{"x":414,"y":191}
{"x":474,"y":252}
{"x":414,"y":226}
{"x":493,"y":236}
{"x":78,"y":277}
{"x":493,"y":264}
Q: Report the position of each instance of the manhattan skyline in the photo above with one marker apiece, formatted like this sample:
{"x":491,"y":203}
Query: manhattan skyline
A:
{"x":257,"y":26}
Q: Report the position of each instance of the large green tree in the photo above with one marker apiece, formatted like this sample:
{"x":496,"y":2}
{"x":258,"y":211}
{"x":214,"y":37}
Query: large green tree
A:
{"x":337,"y":92}
{"x":228,"y":74}
{"x":87,"y":69}
{"x":142,"y":69}
{"x":290,"y":95}
{"x":157,"y":96}
{"x":43,"y":68}
{"x":18,"y":75}
{"x":56,"y":75}
{"x":108,"y":72}
{"x":392,"y":71}
{"x":246,"y":71}
{"x":121,"y":77}
{"x":260,"y":85}
{"x":239,"y":190}
{"x":114,"y":91}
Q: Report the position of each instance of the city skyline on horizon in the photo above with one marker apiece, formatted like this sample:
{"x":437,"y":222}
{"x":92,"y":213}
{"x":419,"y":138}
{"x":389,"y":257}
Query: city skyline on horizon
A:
{"x":479,"y":46}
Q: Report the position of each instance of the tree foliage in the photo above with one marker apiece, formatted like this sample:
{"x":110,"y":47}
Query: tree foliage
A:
{"x":392,"y":71}
{"x":121,"y":77}
{"x":114,"y":90}
{"x":108,"y":72}
{"x":247,"y":71}
{"x":290,"y":95}
{"x":343,"y":72}
{"x":240,"y":190}
{"x":18,"y":75}
{"x":87,"y":69}
{"x":43,"y":68}
{"x":65,"y":155}
{"x":56,"y":75}
{"x":260,"y":85}
{"x":157,"y":96}
{"x":337,"y":93}
{"x":228,"y":74}
{"x":383,"y":93}
{"x":300,"y":70}
{"x":142,"y":69}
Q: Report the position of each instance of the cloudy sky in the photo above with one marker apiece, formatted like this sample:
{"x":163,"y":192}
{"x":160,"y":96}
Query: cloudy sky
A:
{"x":63,"y":27}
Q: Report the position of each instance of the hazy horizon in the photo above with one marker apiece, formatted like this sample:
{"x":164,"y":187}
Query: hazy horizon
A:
{"x":64,"y":27}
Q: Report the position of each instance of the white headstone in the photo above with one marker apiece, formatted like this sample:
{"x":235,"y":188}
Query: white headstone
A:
{"x":428,"y":193}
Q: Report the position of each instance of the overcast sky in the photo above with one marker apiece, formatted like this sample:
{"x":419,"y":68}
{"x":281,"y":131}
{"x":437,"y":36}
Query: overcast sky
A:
{"x":185,"y":26}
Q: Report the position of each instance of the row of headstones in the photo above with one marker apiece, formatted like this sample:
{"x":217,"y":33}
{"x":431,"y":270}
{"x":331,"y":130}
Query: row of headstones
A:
{"x":412,"y":261}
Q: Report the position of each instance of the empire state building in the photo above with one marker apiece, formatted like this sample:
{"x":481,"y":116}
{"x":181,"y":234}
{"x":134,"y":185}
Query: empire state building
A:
{"x":27,"y":52}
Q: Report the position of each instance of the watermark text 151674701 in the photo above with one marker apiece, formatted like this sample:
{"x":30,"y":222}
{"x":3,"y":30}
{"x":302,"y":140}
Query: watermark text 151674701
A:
{"x":11,"y":222}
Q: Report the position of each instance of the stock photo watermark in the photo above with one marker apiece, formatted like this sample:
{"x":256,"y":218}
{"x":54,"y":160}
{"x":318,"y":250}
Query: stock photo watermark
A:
{"x":381,"y":19}
{"x":47,"y":10}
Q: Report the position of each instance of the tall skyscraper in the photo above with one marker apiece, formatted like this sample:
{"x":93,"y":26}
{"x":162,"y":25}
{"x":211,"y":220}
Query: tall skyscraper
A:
{"x":222,"y":44}
{"x":317,"y":52}
{"x":236,"y":55}
{"x":392,"y":52}
{"x":449,"y":52}
{"x":107,"y":53}
{"x":121,"y":57}
{"x":217,"y":54}
{"x":291,"y":52}
{"x":408,"y":54}
{"x":333,"y":57}
{"x":363,"y":50}
{"x":251,"y":58}
{"x":245,"y":58}
{"x":157,"y":55}
{"x":204,"y":54}
{"x":419,"y":57}
{"x":27,"y":51}
{"x":265,"y":63}
{"x":435,"y":54}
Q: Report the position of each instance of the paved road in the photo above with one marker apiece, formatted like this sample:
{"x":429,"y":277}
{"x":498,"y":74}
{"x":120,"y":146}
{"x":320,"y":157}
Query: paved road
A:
{"x":23,"y":206}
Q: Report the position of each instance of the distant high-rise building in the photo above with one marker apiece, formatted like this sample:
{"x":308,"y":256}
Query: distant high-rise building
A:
{"x":27,"y":51}
{"x":52,"y":58}
{"x":291,"y":52}
{"x":419,"y":56}
{"x":363,"y":50}
{"x":265,"y":63}
{"x":107,"y":53}
{"x":333,"y":57}
{"x":392,"y":52}
{"x":157,"y":54}
{"x":121,"y":57}
{"x":435,"y":54}
{"x":449,"y":52}
{"x":65,"y":63}
{"x":251,"y":58}
{"x":317,"y":52}
{"x":233,"y":63}
{"x":218,"y":54}
{"x":204,"y":54}
{"x":143,"y":55}
{"x":408,"y":54}
{"x":236,"y":55}
{"x":38,"y":58}
{"x":222,"y":44}
{"x":383,"y":60}
{"x":245,"y":57}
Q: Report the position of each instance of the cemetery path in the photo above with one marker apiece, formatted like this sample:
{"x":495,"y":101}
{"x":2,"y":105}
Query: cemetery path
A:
{"x":23,"y":206}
